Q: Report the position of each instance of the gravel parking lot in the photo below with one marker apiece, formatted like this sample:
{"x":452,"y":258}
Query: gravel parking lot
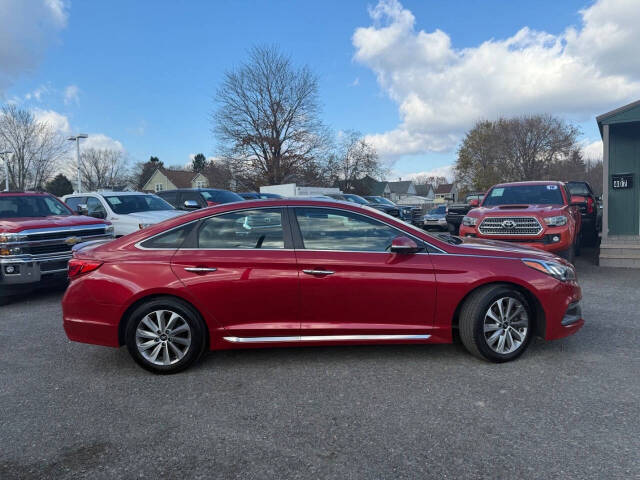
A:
{"x":567,"y":408}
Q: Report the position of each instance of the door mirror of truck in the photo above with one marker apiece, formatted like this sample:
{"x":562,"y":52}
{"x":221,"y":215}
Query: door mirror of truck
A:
{"x":404,"y":245}
{"x":191,"y":204}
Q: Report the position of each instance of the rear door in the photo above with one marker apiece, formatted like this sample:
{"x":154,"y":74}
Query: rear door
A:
{"x":349,"y":282}
{"x":241,"y":269}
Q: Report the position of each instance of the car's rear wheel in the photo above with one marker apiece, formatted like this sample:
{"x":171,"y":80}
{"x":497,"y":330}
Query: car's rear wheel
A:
{"x":496,"y":323}
{"x":165,"y":335}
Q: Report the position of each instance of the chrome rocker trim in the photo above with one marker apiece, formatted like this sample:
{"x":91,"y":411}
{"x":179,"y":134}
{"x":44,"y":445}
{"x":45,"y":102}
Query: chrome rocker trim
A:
{"x":324,"y":338}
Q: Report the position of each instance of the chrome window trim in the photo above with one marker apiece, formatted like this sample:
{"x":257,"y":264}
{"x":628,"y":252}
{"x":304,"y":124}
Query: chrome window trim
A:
{"x":324,"y":338}
{"x":140,"y":247}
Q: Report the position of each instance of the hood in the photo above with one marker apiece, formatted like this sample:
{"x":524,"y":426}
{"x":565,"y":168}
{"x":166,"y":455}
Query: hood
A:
{"x":153,"y":216}
{"x":15,"y":225}
{"x":435,"y":216}
{"x":478,"y":246}
{"x":511,"y":210}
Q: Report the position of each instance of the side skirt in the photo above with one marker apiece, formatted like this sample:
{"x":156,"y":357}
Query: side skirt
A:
{"x":324,"y":338}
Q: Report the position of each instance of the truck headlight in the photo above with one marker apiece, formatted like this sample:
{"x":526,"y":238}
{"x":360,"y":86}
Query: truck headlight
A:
{"x":5,"y":251}
{"x":557,"y":221}
{"x":108,"y":230}
{"x":8,"y":237}
{"x":469,"y":221}
{"x":561,"y":272}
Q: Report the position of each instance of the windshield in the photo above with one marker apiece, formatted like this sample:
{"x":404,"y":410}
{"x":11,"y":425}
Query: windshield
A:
{"x":524,"y":195}
{"x":19,"y":206}
{"x":578,"y":189}
{"x":439,"y":210}
{"x":356,"y":199}
{"x":125,"y":204}
{"x":383,"y":201}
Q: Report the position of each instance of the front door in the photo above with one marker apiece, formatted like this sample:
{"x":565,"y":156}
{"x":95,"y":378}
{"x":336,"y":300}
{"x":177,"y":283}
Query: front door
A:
{"x":243,"y":273}
{"x":351,"y":285}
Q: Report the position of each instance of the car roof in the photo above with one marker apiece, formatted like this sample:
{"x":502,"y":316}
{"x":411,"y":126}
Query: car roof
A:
{"x":24,"y":194}
{"x":197,"y":190}
{"x":84,"y":194}
{"x":535,"y":182}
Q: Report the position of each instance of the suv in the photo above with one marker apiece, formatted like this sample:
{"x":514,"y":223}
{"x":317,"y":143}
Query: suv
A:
{"x":37,"y":232}
{"x":457,"y":211}
{"x":127,"y":211}
{"x":194,"y":198}
{"x":582,"y":194}
{"x":536,"y":214}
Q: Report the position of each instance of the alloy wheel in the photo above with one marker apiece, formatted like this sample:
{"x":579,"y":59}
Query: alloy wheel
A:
{"x":163,"y":337}
{"x":506,"y":323}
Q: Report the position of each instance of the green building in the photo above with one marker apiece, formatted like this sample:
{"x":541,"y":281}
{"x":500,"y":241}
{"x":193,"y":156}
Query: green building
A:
{"x":620,"y":131}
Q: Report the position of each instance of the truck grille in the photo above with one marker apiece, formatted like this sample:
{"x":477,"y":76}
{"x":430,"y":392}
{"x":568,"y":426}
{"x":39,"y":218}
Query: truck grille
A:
{"x":520,"y":226}
{"x":56,"y":248}
{"x":66,"y":233}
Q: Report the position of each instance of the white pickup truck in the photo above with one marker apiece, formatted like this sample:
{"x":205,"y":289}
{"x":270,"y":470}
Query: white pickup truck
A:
{"x":127,"y":211}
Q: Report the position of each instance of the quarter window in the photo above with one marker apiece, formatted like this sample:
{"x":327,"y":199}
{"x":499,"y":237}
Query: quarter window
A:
{"x":244,"y":229}
{"x":171,"y":239}
{"x":327,"y":229}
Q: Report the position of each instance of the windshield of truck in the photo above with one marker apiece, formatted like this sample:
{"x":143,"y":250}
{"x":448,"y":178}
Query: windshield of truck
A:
{"x":383,"y":201}
{"x":524,"y":195}
{"x":356,"y":199}
{"x":578,"y":188}
{"x":124,"y":204}
{"x":24,"y":206}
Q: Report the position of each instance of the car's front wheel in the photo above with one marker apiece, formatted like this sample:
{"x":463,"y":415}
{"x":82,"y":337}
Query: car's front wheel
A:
{"x":496,"y":323}
{"x":165,"y":335}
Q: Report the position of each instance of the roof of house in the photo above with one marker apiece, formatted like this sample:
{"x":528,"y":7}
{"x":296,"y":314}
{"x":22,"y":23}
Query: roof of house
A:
{"x":180,"y":178}
{"x":401,"y":186}
{"x":444,"y":188}
{"x":423,"y":189}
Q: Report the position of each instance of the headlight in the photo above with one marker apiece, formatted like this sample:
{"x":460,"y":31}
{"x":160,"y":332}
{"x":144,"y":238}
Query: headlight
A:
{"x":4,"y":251}
{"x":556,"y":221}
{"x":144,"y":225}
{"x":564,"y":273}
{"x":8,"y":237}
{"x":469,"y":221}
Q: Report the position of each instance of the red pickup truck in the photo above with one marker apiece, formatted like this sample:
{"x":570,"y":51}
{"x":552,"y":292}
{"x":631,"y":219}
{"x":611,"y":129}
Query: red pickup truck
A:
{"x":536,"y":214}
{"x":37,"y":233}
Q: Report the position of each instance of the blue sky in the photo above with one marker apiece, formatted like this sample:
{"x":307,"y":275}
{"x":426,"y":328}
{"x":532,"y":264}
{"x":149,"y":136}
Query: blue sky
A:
{"x":144,"y":73}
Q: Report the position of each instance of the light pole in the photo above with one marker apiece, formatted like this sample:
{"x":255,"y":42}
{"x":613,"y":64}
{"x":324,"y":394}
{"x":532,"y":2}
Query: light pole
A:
{"x":76,"y":139}
{"x":6,"y":171}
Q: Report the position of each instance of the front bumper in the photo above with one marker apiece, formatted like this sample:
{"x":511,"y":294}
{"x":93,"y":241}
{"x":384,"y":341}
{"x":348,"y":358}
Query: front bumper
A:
{"x":546,"y":241}
{"x":24,"y":269}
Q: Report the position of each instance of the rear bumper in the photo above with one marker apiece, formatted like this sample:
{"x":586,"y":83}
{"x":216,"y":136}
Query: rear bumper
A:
{"x":89,"y":322}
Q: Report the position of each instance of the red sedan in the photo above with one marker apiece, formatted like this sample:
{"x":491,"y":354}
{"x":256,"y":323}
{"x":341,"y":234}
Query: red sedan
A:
{"x":304,"y":272}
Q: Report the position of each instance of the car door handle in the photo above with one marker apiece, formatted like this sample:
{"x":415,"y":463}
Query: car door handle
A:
{"x":200,"y":269}
{"x":318,"y":272}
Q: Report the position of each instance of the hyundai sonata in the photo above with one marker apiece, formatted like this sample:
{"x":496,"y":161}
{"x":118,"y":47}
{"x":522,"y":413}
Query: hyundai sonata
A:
{"x":308,"y":272}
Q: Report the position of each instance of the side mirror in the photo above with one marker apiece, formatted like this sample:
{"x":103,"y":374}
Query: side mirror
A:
{"x":474,"y":203}
{"x":191,"y":204}
{"x":82,"y":209}
{"x":402,"y":244}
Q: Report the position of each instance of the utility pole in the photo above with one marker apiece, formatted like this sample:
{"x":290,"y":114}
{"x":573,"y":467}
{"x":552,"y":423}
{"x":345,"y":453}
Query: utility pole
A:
{"x":76,"y":138}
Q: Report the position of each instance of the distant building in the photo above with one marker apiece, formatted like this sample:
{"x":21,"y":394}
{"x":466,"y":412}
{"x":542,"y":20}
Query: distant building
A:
{"x":425,"y":190}
{"x":167,"y":179}
{"x":446,"y":192}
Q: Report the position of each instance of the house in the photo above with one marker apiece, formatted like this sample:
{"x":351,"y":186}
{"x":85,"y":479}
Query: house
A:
{"x":167,"y":179}
{"x":401,"y":189}
{"x":446,"y":192}
{"x":425,"y":190}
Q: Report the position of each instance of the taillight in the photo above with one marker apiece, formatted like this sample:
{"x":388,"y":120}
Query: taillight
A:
{"x":589,"y":205}
{"x":211,"y":204}
{"x":79,"y":267}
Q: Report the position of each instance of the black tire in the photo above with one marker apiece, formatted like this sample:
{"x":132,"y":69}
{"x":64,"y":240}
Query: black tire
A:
{"x":569,"y":254}
{"x":472,"y":322}
{"x":197,"y":333}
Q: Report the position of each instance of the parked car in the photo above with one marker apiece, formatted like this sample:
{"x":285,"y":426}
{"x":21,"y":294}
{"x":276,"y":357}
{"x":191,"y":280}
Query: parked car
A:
{"x":194,"y":198}
{"x":127,"y":211}
{"x":319,"y":273}
{"x":582,"y":194}
{"x":407,"y":213}
{"x":258,"y":195}
{"x":37,"y":232}
{"x":536,"y":214}
{"x":456,"y":212}
{"x":435,"y":218}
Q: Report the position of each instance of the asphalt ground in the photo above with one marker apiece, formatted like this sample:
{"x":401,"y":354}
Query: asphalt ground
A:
{"x":566,"y":409}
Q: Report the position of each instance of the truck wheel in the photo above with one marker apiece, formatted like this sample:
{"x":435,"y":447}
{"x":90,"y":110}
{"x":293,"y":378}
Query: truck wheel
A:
{"x":568,"y":254}
{"x":496,"y":323}
{"x":165,"y":335}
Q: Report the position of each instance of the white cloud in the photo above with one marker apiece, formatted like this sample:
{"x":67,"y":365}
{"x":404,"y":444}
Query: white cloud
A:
{"x":28,"y":28}
{"x":355,"y":83}
{"x":71,"y":94}
{"x":444,"y":171}
{"x":592,"y":150}
{"x":101,"y":141}
{"x":54,"y":119}
{"x":38,"y":93}
{"x":441,"y":91}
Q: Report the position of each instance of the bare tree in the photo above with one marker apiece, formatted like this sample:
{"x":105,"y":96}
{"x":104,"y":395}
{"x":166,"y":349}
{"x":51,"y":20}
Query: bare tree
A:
{"x":37,"y":148}
{"x":104,"y":168}
{"x":353,"y":160}
{"x":432,"y":180}
{"x":267,"y":119}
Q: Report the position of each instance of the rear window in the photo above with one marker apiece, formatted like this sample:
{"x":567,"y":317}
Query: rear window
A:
{"x":524,"y":195}
{"x":578,"y":189}
{"x":37,"y":206}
